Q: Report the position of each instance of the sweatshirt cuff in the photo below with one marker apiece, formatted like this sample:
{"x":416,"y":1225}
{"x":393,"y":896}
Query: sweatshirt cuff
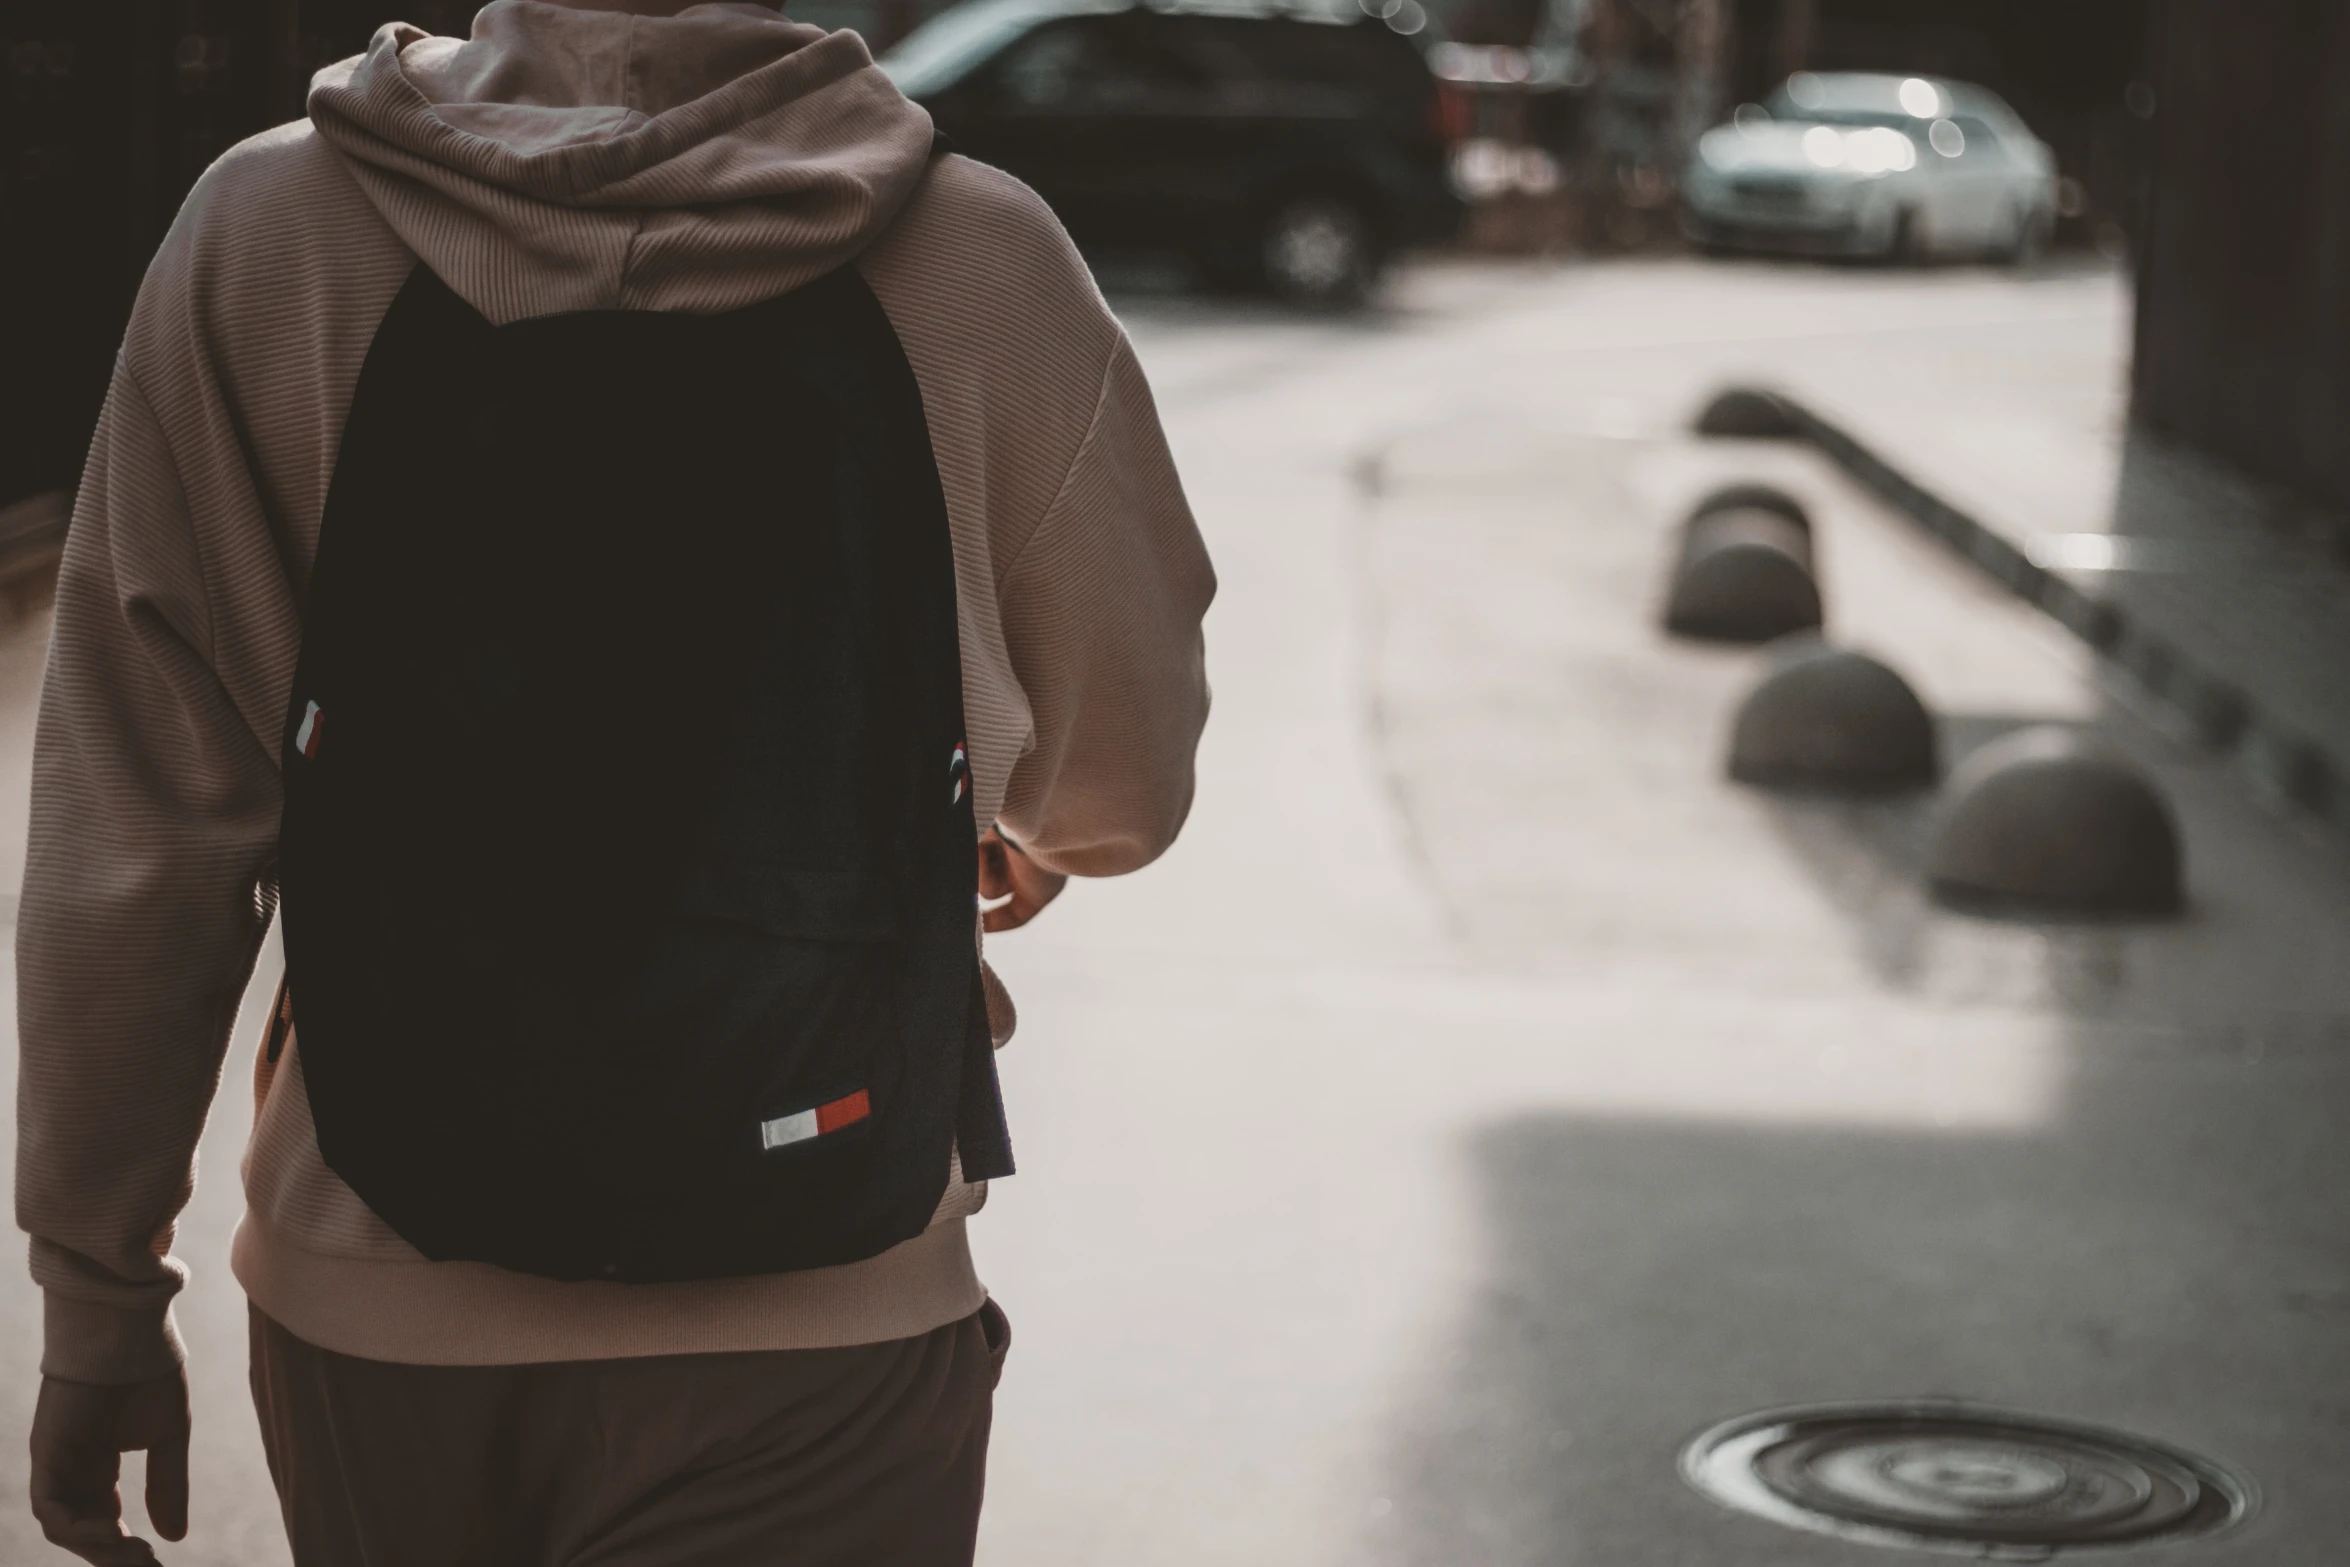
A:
{"x":86,"y":1341}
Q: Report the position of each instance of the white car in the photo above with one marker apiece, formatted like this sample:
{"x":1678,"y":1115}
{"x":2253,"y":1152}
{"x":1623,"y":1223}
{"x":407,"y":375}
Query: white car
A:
{"x":1861,"y":164}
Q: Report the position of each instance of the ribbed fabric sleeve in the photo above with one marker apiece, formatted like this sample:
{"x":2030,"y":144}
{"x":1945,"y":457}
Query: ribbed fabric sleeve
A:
{"x":1104,"y":601}
{"x":154,"y":812}
{"x":155,"y":786}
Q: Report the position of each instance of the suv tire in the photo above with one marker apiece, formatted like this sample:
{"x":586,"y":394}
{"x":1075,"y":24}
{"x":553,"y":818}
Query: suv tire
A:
{"x":1318,"y":248}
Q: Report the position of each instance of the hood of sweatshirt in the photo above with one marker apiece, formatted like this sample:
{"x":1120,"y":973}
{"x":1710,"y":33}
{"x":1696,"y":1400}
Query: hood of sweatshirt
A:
{"x":624,"y":154}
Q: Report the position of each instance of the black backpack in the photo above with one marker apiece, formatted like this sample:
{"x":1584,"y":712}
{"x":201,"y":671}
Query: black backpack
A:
{"x":628,"y":864}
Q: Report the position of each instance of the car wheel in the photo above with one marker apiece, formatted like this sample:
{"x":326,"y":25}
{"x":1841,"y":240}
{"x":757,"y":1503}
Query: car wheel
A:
{"x":1901,"y":248}
{"x":1318,"y":249}
{"x":2027,"y":238}
{"x":1881,"y":235}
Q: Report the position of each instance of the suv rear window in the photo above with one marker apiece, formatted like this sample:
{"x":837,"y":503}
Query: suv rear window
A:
{"x":1149,"y":61}
{"x":1360,"y":57}
{"x":1109,"y":63}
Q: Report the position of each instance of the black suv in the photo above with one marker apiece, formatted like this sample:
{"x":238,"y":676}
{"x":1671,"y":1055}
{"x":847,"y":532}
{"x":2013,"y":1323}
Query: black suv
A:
{"x":1281,"y":147}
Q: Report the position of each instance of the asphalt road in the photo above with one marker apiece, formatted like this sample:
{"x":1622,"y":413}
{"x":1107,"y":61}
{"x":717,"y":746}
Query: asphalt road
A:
{"x":1484,"y":1096}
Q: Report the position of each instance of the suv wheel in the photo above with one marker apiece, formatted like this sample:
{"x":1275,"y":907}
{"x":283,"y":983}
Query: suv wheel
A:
{"x":1318,"y":249}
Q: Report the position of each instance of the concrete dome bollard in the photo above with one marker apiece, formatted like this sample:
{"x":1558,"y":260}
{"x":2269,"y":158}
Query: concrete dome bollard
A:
{"x":2040,"y":822}
{"x":1744,"y":576}
{"x":1836,"y":721}
{"x":1743,"y":412}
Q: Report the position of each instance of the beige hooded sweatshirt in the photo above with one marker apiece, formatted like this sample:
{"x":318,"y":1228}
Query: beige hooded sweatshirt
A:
{"x":593,"y":155}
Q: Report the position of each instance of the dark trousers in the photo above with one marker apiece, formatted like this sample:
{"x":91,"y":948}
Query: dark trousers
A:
{"x":867,"y":1456}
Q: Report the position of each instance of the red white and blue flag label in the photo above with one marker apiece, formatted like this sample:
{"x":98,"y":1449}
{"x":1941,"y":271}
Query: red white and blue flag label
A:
{"x":958,"y":775}
{"x":805,"y":1125}
{"x":306,"y":737}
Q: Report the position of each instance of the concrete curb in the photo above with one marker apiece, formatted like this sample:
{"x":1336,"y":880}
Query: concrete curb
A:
{"x":2284,"y":763}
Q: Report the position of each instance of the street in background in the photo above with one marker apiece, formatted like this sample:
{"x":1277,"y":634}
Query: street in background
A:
{"x":1563,"y":126}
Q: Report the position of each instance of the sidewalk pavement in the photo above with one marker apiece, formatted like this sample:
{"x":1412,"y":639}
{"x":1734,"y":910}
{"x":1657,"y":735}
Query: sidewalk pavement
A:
{"x":2222,"y":598}
{"x":1485,"y":1095}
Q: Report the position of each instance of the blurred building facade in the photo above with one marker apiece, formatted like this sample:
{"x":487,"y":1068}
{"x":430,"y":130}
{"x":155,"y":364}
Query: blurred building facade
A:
{"x":2243,"y":332}
{"x":108,"y":112}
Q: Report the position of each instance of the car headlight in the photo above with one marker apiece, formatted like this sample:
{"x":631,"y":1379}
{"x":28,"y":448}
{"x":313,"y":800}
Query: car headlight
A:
{"x":1880,"y":150}
{"x":1877,"y":149}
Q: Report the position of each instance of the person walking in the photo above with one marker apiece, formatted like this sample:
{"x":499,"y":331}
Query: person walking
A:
{"x":620,"y":542}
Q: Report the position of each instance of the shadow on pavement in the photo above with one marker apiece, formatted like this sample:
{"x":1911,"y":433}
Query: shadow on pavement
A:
{"x":1646,"y":1280}
{"x":1867,"y":857}
{"x":2161,"y":1253}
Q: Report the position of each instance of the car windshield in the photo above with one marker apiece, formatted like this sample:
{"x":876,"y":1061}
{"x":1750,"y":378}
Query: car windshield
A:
{"x":1861,"y":100}
{"x":942,"y":51}
{"x":1857,"y":117}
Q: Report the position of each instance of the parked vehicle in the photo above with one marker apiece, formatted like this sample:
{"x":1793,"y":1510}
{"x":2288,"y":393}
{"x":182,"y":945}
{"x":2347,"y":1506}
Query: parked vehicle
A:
{"x":1873,"y":165}
{"x":1291,"y":149}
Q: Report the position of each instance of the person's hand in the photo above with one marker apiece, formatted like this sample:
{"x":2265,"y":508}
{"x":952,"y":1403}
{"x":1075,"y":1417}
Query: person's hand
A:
{"x":80,"y":1432}
{"x":1013,"y":885}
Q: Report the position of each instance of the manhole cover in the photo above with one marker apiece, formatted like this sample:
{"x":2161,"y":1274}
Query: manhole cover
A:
{"x":1942,"y":1475}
